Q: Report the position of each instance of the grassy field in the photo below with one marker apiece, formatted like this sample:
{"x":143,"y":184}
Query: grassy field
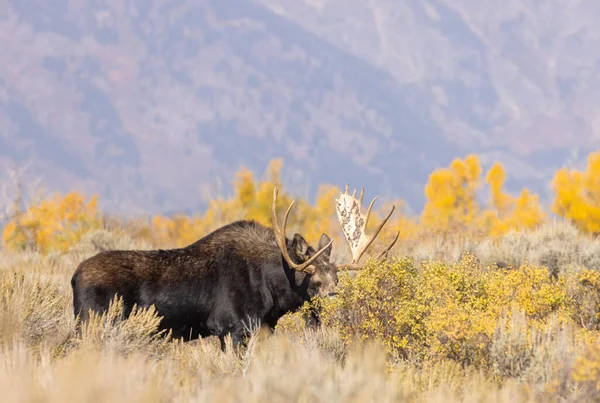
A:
{"x":515,"y":320}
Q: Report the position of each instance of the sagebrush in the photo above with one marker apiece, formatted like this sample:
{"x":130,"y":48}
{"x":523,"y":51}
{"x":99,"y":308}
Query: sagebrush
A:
{"x":439,"y":329}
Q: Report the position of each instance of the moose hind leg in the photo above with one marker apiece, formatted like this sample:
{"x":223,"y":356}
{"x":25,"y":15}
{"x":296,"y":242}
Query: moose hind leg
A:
{"x":98,"y":299}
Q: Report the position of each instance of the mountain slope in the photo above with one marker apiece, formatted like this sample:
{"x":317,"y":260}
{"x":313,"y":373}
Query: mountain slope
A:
{"x":153,"y":104}
{"x":148,"y":105}
{"x":493,"y":74}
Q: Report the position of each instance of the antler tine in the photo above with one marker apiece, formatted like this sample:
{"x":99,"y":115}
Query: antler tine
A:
{"x":281,"y":241}
{"x":369,"y":210}
{"x":385,"y":252}
{"x":372,"y":238}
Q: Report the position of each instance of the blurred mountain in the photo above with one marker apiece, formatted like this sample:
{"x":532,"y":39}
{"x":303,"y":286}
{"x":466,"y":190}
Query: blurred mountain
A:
{"x":155,"y":104}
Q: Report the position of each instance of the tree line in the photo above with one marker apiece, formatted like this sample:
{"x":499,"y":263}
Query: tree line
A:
{"x":454,"y":207}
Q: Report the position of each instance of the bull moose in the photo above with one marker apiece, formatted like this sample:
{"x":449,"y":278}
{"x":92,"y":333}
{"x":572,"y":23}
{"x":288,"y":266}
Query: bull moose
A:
{"x":240,"y":271}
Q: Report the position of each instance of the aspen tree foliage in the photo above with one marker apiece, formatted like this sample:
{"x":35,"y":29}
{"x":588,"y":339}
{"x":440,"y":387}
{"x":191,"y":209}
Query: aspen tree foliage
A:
{"x":510,"y":213}
{"x":577,"y":195}
{"x":453,"y":205}
{"x":451,"y":196}
{"x":252,"y":200}
{"x":54,"y":224}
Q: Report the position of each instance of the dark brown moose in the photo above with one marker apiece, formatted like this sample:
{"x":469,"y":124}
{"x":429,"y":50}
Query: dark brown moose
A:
{"x":240,"y":272}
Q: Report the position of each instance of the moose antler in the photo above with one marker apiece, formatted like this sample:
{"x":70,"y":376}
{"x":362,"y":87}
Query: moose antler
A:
{"x":353,"y":224}
{"x":307,"y":266}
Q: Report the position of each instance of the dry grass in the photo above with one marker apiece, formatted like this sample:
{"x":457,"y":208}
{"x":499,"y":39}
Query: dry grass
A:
{"x":557,"y":245}
{"x":116,"y":360}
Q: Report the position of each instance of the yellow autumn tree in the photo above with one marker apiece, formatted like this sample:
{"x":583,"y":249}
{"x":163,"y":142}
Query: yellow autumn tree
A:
{"x":577,"y":195}
{"x":256,"y":200}
{"x":452,"y":205}
{"x":451,"y":196}
{"x":180,"y":230}
{"x":52,"y":224}
{"x":506,"y":212}
{"x":252,"y":199}
{"x":311,"y":220}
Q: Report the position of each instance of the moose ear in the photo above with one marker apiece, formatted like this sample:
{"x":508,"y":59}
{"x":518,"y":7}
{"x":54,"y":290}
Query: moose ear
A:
{"x":300,"y":245}
{"x":323,"y":243}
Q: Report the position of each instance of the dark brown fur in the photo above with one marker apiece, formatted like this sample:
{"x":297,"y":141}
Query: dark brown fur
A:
{"x":233,"y":274}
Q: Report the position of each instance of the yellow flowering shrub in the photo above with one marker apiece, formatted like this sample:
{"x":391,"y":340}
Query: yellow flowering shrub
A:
{"x":531,"y":288}
{"x":444,"y":310}
{"x":586,"y":370}
{"x":369,"y":306}
{"x":585,"y":293}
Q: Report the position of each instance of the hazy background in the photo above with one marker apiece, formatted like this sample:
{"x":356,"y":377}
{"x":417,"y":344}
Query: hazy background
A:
{"x":156,"y":104}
